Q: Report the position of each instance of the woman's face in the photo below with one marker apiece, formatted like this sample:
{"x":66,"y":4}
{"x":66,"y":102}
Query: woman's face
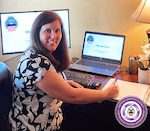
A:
{"x":50,"y":35}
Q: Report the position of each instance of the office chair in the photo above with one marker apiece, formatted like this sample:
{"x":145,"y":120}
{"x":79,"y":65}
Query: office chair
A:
{"x":6,"y":89}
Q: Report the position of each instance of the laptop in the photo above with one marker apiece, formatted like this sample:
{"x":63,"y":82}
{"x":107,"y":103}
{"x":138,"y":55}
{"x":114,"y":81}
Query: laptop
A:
{"x":100,"y":49}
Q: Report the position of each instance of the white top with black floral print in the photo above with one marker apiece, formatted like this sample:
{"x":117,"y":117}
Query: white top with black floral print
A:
{"x":33,"y":110}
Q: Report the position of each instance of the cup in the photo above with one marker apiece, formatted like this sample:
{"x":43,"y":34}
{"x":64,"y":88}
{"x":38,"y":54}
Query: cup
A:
{"x":144,"y":76}
{"x":133,"y":66}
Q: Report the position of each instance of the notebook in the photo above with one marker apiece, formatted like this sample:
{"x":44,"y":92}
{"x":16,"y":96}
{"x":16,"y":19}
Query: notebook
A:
{"x":127,"y":88}
{"x":100,"y":49}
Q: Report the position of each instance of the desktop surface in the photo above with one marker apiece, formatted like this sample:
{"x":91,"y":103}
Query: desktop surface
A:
{"x":122,"y":75}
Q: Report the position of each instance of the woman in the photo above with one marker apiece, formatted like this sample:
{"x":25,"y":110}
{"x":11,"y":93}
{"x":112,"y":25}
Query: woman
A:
{"x":38,"y":80}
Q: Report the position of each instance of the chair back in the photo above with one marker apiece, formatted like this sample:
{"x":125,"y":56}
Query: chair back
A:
{"x":6,"y":90}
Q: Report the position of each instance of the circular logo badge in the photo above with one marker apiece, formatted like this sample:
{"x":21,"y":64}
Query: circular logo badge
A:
{"x":131,"y":112}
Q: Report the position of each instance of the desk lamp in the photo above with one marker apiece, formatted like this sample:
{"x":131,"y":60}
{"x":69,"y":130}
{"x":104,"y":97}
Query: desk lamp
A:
{"x":142,"y":14}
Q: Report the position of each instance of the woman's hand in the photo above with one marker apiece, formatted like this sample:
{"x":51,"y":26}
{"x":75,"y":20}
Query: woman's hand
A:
{"x":74,"y":84}
{"x":112,"y":91}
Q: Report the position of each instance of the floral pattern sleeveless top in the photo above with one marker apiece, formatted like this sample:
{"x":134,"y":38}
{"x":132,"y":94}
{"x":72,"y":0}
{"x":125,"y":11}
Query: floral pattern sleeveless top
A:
{"x":33,"y":110}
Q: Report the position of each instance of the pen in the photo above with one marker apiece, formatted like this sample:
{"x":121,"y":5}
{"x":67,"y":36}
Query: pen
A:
{"x":115,"y":80}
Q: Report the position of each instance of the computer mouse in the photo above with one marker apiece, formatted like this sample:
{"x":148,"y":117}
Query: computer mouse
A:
{"x":95,"y":85}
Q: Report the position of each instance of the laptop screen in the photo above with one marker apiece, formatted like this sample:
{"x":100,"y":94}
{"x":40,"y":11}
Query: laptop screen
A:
{"x":103,"y":46}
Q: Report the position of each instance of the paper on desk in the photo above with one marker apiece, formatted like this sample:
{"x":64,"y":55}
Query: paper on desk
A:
{"x":129,"y":89}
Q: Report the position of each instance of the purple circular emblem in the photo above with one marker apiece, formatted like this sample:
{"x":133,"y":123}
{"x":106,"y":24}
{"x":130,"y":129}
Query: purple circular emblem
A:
{"x":131,"y":112}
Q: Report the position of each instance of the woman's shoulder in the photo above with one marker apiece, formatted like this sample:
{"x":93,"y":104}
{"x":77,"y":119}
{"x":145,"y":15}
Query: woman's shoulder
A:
{"x":31,"y":54}
{"x":31,"y":57}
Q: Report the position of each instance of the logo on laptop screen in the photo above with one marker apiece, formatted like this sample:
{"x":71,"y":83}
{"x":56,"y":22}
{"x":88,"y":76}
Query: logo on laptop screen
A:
{"x":90,"y":39}
{"x":130,"y":112}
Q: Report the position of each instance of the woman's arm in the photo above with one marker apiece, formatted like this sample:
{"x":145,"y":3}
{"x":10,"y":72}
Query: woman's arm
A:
{"x":74,"y":84}
{"x":55,"y":86}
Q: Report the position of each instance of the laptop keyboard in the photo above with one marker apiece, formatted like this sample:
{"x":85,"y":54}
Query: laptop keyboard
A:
{"x":96,"y":64}
{"x":79,"y":77}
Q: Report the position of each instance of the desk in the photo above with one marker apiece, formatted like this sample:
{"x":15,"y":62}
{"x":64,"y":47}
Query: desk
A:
{"x":122,"y":76}
{"x":126,"y":76}
{"x":98,"y":116}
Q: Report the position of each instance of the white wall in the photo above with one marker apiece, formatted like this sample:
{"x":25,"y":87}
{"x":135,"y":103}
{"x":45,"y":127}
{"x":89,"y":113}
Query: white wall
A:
{"x":93,"y":15}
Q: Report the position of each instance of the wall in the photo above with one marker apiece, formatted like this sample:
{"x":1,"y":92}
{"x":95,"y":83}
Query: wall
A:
{"x":93,"y":15}
{"x":115,"y":17}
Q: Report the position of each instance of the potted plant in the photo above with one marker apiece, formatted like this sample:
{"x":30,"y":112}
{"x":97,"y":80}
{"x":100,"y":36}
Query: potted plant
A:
{"x":144,"y":64}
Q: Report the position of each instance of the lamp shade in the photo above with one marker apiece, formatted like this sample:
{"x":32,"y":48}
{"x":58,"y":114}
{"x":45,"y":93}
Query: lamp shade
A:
{"x":142,"y":13}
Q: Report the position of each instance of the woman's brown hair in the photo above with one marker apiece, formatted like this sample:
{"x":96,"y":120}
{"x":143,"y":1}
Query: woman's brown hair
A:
{"x":60,"y":57}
